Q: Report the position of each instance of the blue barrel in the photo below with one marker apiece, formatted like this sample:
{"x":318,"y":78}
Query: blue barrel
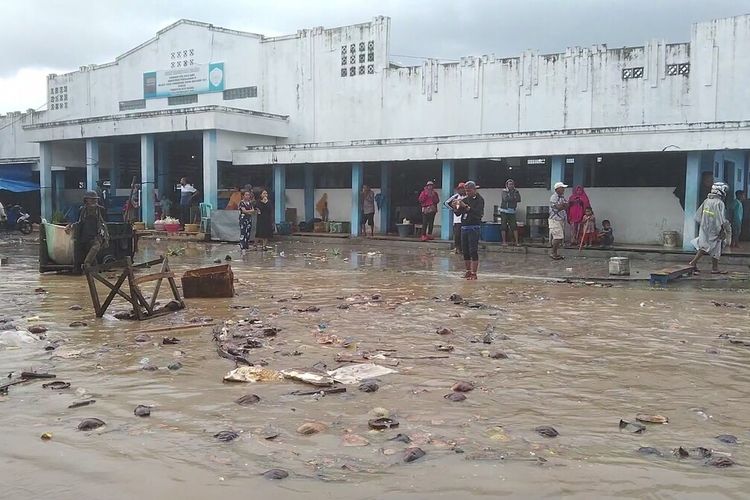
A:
{"x":490,"y":232}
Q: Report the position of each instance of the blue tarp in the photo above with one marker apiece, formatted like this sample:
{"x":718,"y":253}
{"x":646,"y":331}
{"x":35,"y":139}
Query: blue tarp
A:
{"x":17,"y":178}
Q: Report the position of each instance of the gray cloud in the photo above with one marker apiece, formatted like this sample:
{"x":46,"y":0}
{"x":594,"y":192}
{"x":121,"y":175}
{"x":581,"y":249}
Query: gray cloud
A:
{"x":47,"y":34}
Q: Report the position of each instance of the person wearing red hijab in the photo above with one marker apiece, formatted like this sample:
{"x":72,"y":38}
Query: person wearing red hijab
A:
{"x":577,"y":205}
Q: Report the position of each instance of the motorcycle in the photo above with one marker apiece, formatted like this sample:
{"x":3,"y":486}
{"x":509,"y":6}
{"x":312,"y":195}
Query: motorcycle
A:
{"x":17,"y":219}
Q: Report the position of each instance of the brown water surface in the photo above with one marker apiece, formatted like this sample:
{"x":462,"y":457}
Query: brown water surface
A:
{"x":580,"y":359}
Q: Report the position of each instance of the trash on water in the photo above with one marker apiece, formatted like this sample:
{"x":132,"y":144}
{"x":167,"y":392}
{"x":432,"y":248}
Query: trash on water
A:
{"x":252,"y":374}
{"x":354,"y":374}
{"x":317,"y":379}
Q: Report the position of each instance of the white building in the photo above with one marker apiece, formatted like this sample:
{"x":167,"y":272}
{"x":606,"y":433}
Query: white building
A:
{"x":324,"y":110}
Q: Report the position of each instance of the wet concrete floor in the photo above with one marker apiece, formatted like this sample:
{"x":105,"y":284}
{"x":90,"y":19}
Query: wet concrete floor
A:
{"x":580,"y":358}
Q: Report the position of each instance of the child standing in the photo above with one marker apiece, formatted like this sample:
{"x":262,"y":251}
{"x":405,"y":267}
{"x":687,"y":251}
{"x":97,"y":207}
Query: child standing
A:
{"x":588,"y":227}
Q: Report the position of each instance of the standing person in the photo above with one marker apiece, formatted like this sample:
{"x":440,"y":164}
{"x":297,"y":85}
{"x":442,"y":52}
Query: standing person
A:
{"x":188,"y":194}
{"x":472,"y":210}
{"x":133,"y":204}
{"x":452,"y":204}
{"x":322,"y":207}
{"x":588,"y":228}
{"x":737,"y":213}
{"x":577,"y":205}
{"x":247,"y":210}
{"x":558,"y":206}
{"x":264,"y":231}
{"x":713,"y":228}
{"x":93,"y":234}
{"x":428,"y":201}
{"x":368,"y":211}
{"x":509,"y":201}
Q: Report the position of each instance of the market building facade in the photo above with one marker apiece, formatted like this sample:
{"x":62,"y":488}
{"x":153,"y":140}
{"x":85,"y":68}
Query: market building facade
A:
{"x":326,"y":110}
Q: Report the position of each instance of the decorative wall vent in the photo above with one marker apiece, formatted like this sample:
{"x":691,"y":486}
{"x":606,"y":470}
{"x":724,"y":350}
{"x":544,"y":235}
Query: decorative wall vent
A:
{"x":134,"y":104}
{"x":628,"y":73}
{"x":354,"y":57}
{"x":681,"y":69}
{"x":240,"y":93}
{"x":58,"y":97}
{"x":182,"y":58}
{"x":182,"y":99}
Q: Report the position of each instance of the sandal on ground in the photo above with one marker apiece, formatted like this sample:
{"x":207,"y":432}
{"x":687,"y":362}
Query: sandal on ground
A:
{"x":719,"y":272}
{"x":556,"y":257}
{"x":472,"y":276}
{"x":467,"y":274}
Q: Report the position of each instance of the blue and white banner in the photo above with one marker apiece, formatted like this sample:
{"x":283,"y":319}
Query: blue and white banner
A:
{"x":196,"y":79}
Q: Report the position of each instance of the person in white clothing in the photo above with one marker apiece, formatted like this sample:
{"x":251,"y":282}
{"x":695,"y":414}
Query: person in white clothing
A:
{"x":452,"y":204}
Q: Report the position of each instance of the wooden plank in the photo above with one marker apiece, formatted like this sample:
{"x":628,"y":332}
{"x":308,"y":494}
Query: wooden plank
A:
{"x":164,"y":271}
{"x":113,"y":292}
{"x":188,"y":326}
{"x":112,"y":287}
{"x":153,"y":277}
{"x":150,"y":263}
{"x":94,"y":294}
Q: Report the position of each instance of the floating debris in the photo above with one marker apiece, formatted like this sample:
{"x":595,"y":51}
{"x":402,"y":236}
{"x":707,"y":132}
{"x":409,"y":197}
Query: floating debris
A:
{"x":354,"y":440}
{"x":316,"y":379}
{"x":226,"y":436}
{"x":455,"y":397}
{"x":252,"y":374}
{"x":462,"y":387}
{"x":727,"y":438}
{"x":401,"y":438}
{"x":248,"y":399}
{"x":412,"y":454}
{"x":276,"y":474}
{"x":382,"y":423}
{"x":369,"y":386}
{"x":633,"y":427}
{"x":309,"y":428}
{"x":355,"y":374}
{"x":90,"y":424}
{"x":142,"y":411}
{"x":546,"y":431}
{"x":720,"y":462}
{"x":56,"y":385}
{"x":652,"y":419}
{"x":444,"y":331}
{"x":649,"y":450}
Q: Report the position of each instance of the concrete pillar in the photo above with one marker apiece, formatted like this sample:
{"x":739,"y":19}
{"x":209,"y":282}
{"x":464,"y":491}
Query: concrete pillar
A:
{"x":45,"y":179}
{"x":385,"y":192}
{"x":92,"y":164}
{"x":279,"y":192}
{"x":147,"y":180}
{"x":446,"y":216}
{"x":473,"y":171}
{"x":162,"y":169}
{"x":692,"y":187}
{"x":210,"y":169}
{"x":58,"y":183}
{"x":579,"y":171}
{"x":309,"y":192}
{"x":557,"y":172}
{"x":357,"y":174}
{"x":114,"y":171}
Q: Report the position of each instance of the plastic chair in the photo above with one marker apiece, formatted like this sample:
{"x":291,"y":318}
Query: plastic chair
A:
{"x":205,"y":210}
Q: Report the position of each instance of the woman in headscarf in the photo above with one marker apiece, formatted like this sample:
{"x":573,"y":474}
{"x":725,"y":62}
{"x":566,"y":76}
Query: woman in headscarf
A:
{"x":264,"y":231}
{"x":577,"y":205}
{"x":714,"y":230}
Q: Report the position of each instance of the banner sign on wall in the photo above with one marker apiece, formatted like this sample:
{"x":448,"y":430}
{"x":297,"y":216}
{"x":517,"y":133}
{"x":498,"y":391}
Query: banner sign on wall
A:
{"x":196,"y":79}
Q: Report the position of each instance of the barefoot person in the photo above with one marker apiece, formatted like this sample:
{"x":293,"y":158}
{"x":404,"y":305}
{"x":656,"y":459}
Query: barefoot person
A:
{"x":428,"y":201}
{"x":557,"y":217}
{"x":714,"y":227}
{"x":247,"y":210}
{"x":472,"y":211}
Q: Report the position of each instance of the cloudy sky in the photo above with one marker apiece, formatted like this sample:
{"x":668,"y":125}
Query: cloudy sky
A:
{"x":54,"y":36}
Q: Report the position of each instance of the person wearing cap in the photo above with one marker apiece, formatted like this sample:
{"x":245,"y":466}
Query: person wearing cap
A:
{"x":92,"y":228}
{"x":471,"y":209}
{"x":428,"y":201}
{"x":508,"y":203}
{"x":714,"y":228}
{"x":452,"y":205}
{"x":558,"y":207}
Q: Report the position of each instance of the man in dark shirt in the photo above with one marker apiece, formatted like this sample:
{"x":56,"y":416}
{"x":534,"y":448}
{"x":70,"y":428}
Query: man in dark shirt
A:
{"x":92,"y":233}
{"x":471,"y":209}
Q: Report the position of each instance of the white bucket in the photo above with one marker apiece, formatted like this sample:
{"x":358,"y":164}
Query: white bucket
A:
{"x":619,"y":266}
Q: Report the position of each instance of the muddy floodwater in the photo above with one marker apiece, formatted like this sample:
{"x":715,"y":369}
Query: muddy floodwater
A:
{"x":580,"y":357}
